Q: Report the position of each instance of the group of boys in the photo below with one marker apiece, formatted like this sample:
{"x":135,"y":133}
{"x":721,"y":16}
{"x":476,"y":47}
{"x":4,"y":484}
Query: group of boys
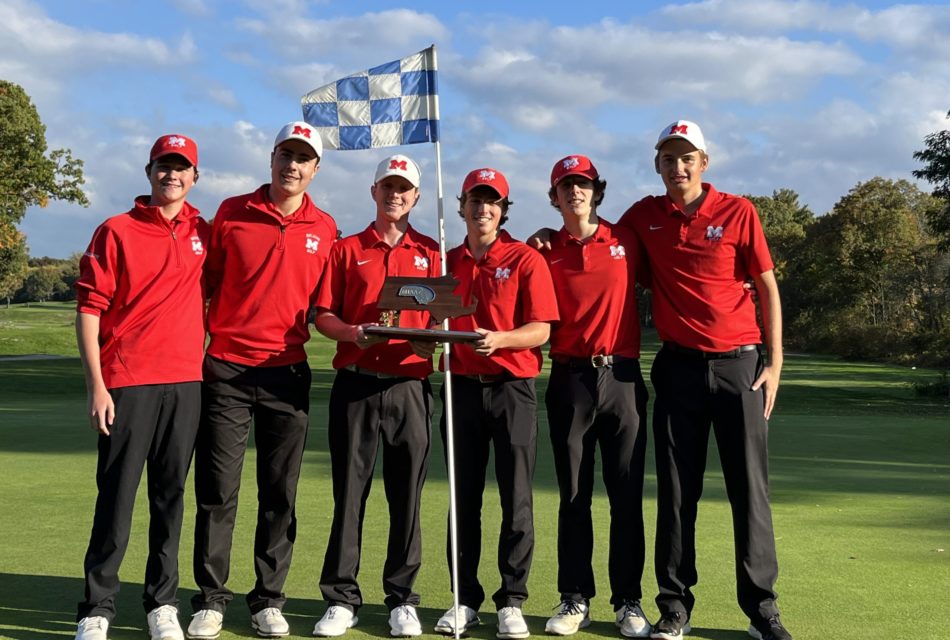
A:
{"x":271,"y":260}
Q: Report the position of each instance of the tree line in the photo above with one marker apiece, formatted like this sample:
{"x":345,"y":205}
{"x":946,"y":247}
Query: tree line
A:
{"x":869,"y":280}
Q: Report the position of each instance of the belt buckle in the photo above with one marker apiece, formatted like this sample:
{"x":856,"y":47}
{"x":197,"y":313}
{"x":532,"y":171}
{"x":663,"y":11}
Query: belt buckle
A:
{"x":600,"y":361}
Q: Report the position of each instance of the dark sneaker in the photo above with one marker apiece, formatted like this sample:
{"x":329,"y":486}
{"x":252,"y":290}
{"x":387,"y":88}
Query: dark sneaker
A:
{"x":672,"y":625}
{"x":771,"y":629}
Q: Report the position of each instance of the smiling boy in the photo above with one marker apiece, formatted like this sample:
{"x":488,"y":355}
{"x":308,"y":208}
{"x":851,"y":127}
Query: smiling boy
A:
{"x":140,"y":328}
{"x":381,"y":395}
{"x":268,"y":251}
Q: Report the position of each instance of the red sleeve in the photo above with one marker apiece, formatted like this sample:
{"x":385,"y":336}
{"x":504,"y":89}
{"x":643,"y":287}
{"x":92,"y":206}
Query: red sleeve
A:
{"x":538,"y":301}
{"x":330,"y":294}
{"x":755,"y":249}
{"x":214,"y":263}
{"x":98,"y":267}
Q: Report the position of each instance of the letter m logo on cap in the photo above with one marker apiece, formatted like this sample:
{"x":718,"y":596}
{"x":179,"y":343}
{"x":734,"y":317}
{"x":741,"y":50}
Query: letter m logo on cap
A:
{"x":301,"y":131}
{"x":678,"y":128}
{"x":398,"y":164}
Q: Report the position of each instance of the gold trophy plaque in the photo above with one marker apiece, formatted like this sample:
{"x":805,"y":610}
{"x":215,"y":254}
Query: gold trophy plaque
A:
{"x":434,"y":295}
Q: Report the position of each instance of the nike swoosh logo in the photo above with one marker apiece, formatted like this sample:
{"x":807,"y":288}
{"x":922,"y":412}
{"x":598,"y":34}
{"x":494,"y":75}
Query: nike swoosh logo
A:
{"x":655,"y":227}
{"x":558,"y":260}
{"x":362,"y":262}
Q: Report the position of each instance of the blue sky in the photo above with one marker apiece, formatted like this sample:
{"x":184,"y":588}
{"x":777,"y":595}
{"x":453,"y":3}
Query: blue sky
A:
{"x":812,"y":96}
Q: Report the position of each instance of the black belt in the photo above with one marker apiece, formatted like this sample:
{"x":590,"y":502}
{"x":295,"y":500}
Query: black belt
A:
{"x":369,"y":372}
{"x":709,"y":355}
{"x":593,"y":362}
{"x":486,"y":378}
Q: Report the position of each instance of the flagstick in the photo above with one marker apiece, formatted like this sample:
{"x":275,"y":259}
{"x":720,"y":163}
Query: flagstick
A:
{"x":447,"y":351}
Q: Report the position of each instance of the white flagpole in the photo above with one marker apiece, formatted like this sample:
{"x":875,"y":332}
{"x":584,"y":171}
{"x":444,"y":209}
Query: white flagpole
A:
{"x":447,"y":350}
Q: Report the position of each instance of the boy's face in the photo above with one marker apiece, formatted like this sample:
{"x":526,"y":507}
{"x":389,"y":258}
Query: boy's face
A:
{"x":292,"y":166}
{"x":171,"y":178}
{"x":574,"y":196}
{"x":394,"y":197}
{"x":482,"y":211}
{"x":681,"y":166}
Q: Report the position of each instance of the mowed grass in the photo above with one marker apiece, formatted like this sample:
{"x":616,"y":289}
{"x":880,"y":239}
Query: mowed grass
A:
{"x":860,"y":494}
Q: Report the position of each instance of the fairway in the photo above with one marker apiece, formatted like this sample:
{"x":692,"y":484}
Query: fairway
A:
{"x":860,"y":485}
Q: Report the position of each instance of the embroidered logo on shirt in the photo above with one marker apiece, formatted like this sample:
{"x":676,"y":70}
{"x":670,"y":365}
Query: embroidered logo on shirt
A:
{"x":618,"y":252}
{"x":313,"y":243}
{"x":422,"y":263}
{"x":196,"y":245}
{"x":360,"y":263}
{"x":90,"y":254}
{"x":714,"y":233}
{"x":654,"y":227}
{"x":502,"y":273}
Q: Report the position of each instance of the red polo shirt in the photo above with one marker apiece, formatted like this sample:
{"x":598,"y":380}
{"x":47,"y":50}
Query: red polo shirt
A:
{"x":141,"y":275}
{"x":699,"y":264}
{"x":354,"y":279}
{"x":513,"y":287}
{"x":263,"y":270}
{"x":596,"y":296}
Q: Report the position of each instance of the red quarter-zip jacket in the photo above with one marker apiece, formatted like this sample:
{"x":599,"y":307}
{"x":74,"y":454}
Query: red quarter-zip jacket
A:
{"x":142,"y":276}
{"x":263,"y":271}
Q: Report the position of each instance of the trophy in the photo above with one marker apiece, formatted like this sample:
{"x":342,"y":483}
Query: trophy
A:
{"x":421,"y":294}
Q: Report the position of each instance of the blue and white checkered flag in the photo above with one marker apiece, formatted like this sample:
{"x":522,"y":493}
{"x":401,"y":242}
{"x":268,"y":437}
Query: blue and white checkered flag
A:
{"x":392,"y":104}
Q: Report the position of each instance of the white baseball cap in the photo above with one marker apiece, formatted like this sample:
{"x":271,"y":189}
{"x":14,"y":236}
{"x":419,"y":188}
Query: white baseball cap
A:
{"x":303,"y":132}
{"x":399,"y":165}
{"x":685,"y":130}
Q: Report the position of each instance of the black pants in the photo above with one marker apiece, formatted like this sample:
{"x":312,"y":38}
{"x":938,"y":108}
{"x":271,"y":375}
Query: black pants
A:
{"x":277,"y":398}
{"x":503,"y":414}
{"x":154,"y":428}
{"x":365,"y":410}
{"x":693,"y":394}
{"x":586,"y":407}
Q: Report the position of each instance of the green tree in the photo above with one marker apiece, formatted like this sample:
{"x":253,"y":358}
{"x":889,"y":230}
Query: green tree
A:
{"x":42,"y":282}
{"x":784,"y":221}
{"x":28,"y":176}
{"x":13,"y":262}
{"x":868,"y":274}
{"x":936,"y":158}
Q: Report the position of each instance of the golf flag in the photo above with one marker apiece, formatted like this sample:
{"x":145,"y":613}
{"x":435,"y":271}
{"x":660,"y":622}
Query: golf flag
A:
{"x":391,"y":104}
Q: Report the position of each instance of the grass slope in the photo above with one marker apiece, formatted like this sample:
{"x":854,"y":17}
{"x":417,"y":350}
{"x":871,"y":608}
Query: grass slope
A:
{"x":860,"y":488}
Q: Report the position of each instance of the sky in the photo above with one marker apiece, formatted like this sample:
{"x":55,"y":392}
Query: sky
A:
{"x":812,"y":96}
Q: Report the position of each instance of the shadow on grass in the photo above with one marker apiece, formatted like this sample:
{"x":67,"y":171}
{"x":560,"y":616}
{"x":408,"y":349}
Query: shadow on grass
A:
{"x":43,"y":607}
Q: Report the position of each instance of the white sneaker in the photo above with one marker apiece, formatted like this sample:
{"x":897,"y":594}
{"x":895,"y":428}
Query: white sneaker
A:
{"x":571,"y":617}
{"x":270,"y":623}
{"x":335,"y":622}
{"x":511,"y":624}
{"x":163,"y":623}
{"x":467,"y":618}
{"x":205,"y":625}
{"x":404,"y":622}
{"x":92,"y":628}
{"x":632,"y":621}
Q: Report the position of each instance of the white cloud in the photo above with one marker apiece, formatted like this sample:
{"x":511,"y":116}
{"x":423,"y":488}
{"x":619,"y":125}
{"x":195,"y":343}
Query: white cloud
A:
{"x":397,"y":30}
{"x":39,"y":52}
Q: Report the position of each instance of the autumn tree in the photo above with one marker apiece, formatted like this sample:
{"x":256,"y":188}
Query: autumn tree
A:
{"x":29,"y":176}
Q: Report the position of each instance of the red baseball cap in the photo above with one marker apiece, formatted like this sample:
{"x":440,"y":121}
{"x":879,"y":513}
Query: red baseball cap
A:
{"x":175,"y":143}
{"x":573,"y":166}
{"x":488,"y":177}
